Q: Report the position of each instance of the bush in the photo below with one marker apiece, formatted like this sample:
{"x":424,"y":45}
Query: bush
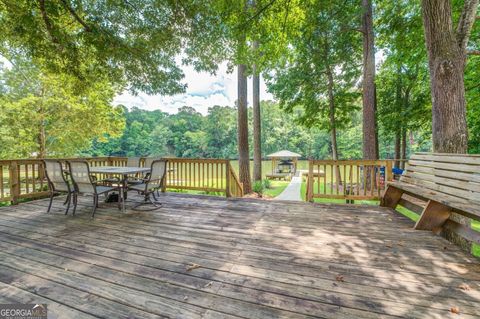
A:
{"x":258,"y":187}
{"x":267,"y":183}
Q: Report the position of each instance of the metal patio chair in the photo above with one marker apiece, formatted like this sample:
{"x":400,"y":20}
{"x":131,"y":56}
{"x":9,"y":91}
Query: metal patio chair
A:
{"x":151,"y":184}
{"x":84,"y":184}
{"x":148,"y":163}
{"x":149,"y":160}
{"x":57,"y":182}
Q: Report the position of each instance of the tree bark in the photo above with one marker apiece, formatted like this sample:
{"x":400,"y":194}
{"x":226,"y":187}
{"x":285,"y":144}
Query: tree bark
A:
{"x":243,"y":149}
{"x":446,"y":49}
{"x":403,"y":147}
{"x":370,"y":146}
{"x":42,"y":149}
{"x":446,"y":63}
{"x":397,"y":147}
{"x":333,"y":124}
{"x":377,"y":147}
{"x":398,"y":124}
{"x":257,"y":126}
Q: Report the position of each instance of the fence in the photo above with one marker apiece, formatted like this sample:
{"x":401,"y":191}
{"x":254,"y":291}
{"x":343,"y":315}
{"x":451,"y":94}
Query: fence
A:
{"x":22,"y":179}
{"x":350,"y":180}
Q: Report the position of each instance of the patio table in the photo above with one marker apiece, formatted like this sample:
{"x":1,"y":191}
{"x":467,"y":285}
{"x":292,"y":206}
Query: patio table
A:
{"x":122,"y":171}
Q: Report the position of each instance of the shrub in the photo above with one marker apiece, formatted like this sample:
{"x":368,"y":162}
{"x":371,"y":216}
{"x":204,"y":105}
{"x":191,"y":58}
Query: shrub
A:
{"x":258,"y":187}
{"x":267,"y":183}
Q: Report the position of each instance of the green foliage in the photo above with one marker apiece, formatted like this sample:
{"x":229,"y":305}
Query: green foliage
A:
{"x":267,"y":183}
{"x":403,"y":91}
{"x":329,"y":44}
{"x":45,"y":114}
{"x":258,"y":187}
{"x":78,"y":54}
{"x":132,"y":43}
{"x":190,"y":134}
{"x":472,"y":90}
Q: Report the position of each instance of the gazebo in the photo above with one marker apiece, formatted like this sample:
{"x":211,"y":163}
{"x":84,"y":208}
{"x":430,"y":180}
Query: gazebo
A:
{"x":284,"y":164}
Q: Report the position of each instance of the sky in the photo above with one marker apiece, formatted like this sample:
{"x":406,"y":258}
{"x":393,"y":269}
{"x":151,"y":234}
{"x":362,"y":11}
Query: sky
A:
{"x":204,"y":90}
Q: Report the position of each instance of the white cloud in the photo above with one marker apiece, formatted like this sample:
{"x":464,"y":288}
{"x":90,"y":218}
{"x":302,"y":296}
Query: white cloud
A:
{"x":204,"y":90}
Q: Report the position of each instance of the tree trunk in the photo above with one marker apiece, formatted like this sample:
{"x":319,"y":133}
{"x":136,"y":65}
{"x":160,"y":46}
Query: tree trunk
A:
{"x":42,"y":149}
{"x":41,"y":138}
{"x":243,"y":149}
{"x":333,"y":124}
{"x":257,"y":125}
{"x":404,"y":147}
{"x":377,"y":147}
{"x":447,"y":64}
{"x":397,"y":147}
{"x":370,"y":146}
{"x":398,"y":124}
{"x":446,"y":49}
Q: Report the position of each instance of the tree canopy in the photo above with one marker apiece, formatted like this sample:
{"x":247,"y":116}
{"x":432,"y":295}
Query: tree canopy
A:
{"x":44,"y":114}
{"x":66,"y":59}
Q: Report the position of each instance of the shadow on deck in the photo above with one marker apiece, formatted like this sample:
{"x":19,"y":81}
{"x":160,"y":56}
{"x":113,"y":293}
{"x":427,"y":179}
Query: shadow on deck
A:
{"x":207,"y":257}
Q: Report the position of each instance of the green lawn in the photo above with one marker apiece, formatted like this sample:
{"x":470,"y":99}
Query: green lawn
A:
{"x":476,"y":247}
{"x":276,"y":188}
{"x":267,"y":166}
{"x":331,"y":200}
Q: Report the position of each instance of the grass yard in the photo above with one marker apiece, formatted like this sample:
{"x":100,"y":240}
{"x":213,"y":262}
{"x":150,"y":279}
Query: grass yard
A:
{"x":276,"y":188}
{"x":331,"y":200}
{"x":267,"y":166}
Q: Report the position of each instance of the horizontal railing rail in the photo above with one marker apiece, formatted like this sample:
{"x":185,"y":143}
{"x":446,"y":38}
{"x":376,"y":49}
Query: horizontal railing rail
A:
{"x":348,"y":179}
{"x":25,"y":178}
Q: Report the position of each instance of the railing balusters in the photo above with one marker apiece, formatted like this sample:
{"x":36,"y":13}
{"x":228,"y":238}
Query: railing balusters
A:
{"x":26,"y":178}
{"x":347,"y":179}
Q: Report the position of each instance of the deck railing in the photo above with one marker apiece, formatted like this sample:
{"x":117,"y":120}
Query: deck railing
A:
{"x":25,"y":178}
{"x":350,"y":180}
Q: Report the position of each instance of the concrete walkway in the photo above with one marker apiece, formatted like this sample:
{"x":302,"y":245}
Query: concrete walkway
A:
{"x":293,"y":190}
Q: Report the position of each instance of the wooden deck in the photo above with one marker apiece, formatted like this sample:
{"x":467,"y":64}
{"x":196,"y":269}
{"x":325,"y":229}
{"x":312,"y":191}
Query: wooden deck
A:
{"x":256,"y":259}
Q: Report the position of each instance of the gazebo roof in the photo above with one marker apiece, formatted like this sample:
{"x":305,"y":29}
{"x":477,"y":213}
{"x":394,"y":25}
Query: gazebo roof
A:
{"x":284,"y":153}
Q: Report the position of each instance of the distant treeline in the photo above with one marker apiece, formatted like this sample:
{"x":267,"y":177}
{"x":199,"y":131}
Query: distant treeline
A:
{"x":188,"y":133}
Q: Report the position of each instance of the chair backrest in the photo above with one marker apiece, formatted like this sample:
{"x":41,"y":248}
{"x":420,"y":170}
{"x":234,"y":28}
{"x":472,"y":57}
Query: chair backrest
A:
{"x":454,"y":175}
{"x":80,"y":174}
{"x":55,"y":175}
{"x":149,"y":160}
{"x":133,"y":162}
{"x":157,"y":173}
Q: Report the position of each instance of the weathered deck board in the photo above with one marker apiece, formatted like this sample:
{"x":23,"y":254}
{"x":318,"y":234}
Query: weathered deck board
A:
{"x":258,"y":259}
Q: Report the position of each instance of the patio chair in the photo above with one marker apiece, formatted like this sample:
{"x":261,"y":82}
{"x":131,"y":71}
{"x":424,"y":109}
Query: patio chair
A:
{"x":148,"y":163}
{"x":57,"y":182}
{"x":149,"y":160}
{"x":84,"y":184}
{"x":151,"y":184}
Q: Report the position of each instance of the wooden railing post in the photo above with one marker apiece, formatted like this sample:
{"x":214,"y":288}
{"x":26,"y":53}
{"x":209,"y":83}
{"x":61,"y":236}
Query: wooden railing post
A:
{"x":165,"y":178}
{"x":14,"y":182}
{"x":228,"y":192}
{"x":388,"y":171}
{"x":309,"y":196}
